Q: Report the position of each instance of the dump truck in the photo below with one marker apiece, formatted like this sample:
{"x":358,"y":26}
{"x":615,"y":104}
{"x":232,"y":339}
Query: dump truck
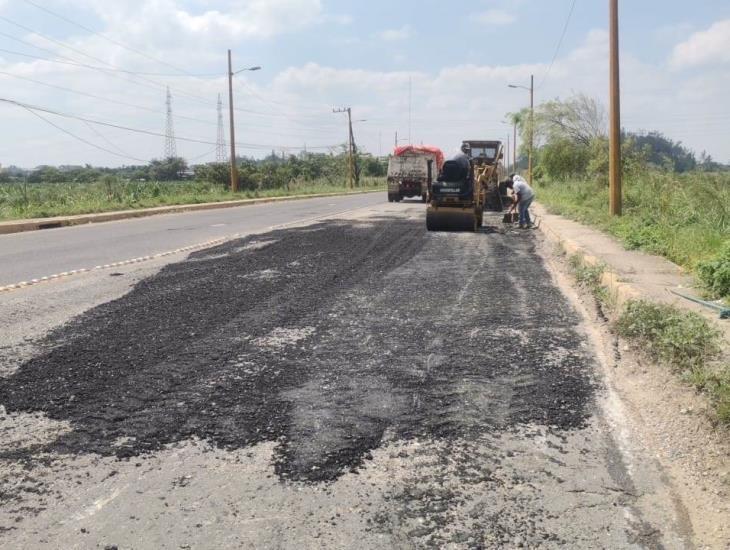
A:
{"x":466,"y":185}
{"x":411,"y":170}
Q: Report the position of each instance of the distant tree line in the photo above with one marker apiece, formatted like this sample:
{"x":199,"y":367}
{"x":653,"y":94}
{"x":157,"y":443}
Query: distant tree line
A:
{"x":271,"y":172}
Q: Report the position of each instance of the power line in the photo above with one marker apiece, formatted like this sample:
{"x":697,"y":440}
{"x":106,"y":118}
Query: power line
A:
{"x":253,"y":146}
{"x":100,"y":35}
{"x":102,"y":136}
{"x":101,"y":98}
{"x":69,"y":61}
{"x":31,"y":111}
{"x":97,"y":59}
{"x":560,"y":43}
{"x":157,"y":85}
{"x":134,"y":105}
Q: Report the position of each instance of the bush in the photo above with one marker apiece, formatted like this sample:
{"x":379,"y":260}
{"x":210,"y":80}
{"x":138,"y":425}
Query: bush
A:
{"x":715,"y":273}
{"x":683,"y":340}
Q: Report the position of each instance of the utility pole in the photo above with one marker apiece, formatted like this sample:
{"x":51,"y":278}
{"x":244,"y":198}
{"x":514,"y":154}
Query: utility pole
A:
{"x":234,"y":168}
{"x":615,"y":115}
{"x":532,"y":126}
{"x":350,"y":144}
{"x":396,"y":138}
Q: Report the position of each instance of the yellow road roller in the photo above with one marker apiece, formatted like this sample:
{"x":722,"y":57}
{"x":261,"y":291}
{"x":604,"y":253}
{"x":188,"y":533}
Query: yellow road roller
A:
{"x":459,"y":194}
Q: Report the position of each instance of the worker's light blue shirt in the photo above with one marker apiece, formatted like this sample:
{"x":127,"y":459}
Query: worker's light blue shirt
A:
{"x":523,"y":189}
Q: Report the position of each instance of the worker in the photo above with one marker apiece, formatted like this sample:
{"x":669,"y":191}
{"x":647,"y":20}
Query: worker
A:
{"x":523,"y":196}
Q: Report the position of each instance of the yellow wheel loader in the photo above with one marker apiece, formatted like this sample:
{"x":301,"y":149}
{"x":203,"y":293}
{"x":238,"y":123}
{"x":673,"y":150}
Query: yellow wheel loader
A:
{"x":466,"y":185}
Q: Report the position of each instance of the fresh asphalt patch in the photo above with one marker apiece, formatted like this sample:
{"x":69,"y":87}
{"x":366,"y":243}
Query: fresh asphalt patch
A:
{"x":318,"y":339}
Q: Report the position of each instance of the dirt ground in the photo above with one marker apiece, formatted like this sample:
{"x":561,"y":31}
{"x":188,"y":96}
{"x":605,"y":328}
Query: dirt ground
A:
{"x":358,"y":383}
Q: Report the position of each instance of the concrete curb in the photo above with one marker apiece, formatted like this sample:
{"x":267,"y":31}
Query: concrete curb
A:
{"x":620,"y":291}
{"x":35,"y":224}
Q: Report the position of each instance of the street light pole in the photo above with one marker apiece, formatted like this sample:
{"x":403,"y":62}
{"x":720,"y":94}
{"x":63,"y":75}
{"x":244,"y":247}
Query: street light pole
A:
{"x":514,"y":148}
{"x":234,"y":168}
{"x":531,"y":144}
{"x":615,"y":115}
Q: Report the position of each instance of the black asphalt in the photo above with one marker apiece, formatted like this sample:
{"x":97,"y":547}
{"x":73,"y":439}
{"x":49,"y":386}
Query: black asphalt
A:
{"x":320,"y":339}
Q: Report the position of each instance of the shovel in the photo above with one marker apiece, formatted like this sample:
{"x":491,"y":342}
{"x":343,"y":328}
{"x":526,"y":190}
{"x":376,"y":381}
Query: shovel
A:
{"x":511,"y":217}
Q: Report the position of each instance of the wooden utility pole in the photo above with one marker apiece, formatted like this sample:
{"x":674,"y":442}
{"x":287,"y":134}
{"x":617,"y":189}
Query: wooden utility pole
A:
{"x":234,"y":169}
{"x":615,"y":115}
{"x":532,"y":127}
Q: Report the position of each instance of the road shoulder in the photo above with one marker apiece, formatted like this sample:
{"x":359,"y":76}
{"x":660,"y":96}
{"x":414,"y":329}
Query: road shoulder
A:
{"x":671,"y":419}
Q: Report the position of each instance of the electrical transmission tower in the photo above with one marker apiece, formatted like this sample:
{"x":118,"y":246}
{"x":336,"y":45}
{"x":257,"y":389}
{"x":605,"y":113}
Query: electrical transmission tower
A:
{"x":170,"y":146}
{"x":221,"y":154}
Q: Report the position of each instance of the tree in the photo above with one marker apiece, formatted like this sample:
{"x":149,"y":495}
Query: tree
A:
{"x":218,"y":173}
{"x":580,"y":119}
{"x":168,"y":169}
{"x":49,"y":174}
{"x":562,"y":158}
{"x":663,"y":152}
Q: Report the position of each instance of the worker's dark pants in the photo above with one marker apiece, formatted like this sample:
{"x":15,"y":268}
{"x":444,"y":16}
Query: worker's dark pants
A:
{"x":524,"y":209}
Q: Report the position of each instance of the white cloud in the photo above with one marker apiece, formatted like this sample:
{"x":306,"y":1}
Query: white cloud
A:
{"x":495,"y":17}
{"x":450,"y":102}
{"x":240,"y":19}
{"x":394,"y":35}
{"x":704,"y":47}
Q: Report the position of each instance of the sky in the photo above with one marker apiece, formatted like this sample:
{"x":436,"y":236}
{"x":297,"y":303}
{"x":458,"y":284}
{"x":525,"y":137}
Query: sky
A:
{"x":431,"y":71}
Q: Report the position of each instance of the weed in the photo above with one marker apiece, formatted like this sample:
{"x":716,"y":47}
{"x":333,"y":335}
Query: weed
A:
{"x":682,"y":339}
{"x":586,"y":274}
{"x":590,"y":276}
{"x":715,"y":273}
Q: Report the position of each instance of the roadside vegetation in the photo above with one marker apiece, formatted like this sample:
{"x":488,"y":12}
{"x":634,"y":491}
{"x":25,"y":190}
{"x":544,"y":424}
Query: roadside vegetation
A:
{"x":682,"y":340}
{"x":50,"y":191}
{"x":675,"y":204}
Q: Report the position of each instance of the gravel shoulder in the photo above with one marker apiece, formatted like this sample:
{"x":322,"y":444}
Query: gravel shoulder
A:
{"x":673,"y":421}
{"x":352,"y":383}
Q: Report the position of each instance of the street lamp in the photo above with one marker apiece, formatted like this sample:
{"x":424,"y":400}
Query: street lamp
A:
{"x":234,"y":169}
{"x":531,"y":89}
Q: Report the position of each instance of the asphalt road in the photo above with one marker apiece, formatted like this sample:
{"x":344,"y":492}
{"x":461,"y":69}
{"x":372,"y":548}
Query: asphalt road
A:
{"x":354,"y":383}
{"x":35,"y":254}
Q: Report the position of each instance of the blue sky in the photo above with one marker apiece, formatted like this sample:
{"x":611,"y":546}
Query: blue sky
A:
{"x":318,"y":54}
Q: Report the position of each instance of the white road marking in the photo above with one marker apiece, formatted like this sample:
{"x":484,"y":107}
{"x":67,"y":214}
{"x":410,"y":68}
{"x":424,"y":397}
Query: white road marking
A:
{"x":190,"y":248}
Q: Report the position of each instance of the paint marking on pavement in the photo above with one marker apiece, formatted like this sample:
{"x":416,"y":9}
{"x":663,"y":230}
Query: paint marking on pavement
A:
{"x":189,"y":248}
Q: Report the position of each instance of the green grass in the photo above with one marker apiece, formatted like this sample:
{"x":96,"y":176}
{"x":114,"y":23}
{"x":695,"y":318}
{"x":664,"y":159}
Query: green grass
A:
{"x":683,"y":217}
{"x":590,"y":276}
{"x":682,"y":340}
{"x":18,"y":201}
